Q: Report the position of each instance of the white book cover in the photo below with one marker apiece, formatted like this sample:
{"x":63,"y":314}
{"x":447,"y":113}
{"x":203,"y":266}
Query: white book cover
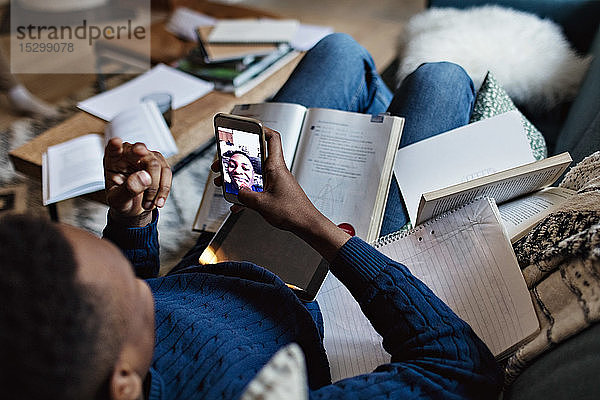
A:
{"x":460,"y":155}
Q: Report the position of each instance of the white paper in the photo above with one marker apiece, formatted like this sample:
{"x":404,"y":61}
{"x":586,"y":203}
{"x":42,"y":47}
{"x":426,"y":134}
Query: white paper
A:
{"x":460,"y":155}
{"x":182,"y":87}
{"x":309,"y":35}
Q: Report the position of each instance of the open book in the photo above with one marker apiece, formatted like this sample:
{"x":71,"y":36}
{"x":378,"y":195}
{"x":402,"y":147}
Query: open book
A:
{"x":342,"y":160}
{"x":74,"y":167}
{"x":464,"y":257}
{"x":487,"y":158}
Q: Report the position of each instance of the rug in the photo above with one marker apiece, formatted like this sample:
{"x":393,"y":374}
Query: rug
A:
{"x":176,"y":218}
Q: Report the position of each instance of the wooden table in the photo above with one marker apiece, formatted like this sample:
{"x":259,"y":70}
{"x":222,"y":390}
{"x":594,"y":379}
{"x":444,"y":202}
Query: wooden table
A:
{"x":192,"y":125}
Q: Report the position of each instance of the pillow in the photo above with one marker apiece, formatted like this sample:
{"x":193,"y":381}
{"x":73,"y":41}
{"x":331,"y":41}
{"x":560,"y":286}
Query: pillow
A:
{"x":493,"y":100}
{"x":529,"y":55}
{"x":283,"y":377}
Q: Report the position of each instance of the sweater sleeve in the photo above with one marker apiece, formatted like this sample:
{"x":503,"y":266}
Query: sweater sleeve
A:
{"x":434,"y":353}
{"x":139,"y":245}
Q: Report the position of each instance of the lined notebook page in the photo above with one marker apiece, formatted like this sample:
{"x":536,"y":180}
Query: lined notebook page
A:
{"x":466,"y":259}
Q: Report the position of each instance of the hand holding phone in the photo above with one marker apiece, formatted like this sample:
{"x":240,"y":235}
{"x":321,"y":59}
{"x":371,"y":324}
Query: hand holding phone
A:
{"x":284,"y":204}
{"x":241,"y":150}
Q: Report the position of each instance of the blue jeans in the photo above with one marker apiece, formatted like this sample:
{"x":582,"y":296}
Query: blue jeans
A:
{"x":339,"y":73}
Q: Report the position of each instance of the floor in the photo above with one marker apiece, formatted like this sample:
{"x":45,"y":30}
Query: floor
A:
{"x":375,"y":24}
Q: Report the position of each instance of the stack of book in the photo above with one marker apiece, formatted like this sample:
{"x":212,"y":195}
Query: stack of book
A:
{"x":236,"y":62}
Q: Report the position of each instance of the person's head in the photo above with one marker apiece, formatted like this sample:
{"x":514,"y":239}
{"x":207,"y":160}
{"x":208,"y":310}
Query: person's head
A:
{"x":240,"y":170}
{"x":75,"y":323}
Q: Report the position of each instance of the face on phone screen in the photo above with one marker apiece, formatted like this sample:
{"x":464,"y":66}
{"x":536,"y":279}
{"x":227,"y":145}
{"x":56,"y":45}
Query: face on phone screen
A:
{"x":241,"y":159}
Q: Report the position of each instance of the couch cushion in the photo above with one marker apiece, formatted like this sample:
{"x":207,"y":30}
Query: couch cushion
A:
{"x":529,"y":55}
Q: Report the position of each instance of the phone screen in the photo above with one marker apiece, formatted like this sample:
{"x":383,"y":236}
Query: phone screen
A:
{"x":241,"y":157}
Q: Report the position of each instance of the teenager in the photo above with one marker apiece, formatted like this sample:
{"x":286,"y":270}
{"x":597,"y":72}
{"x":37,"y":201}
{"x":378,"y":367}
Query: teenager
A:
{"x":77,"y":323}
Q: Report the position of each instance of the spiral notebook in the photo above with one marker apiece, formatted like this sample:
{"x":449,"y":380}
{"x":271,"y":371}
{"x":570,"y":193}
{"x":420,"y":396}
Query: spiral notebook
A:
{"x":466,"y":259}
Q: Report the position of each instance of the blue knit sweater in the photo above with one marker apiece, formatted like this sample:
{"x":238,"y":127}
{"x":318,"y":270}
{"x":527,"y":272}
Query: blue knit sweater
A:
{"x":218,"y":325}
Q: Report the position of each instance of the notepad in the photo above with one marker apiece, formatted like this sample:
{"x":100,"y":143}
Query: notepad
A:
{"x":465,"y":258}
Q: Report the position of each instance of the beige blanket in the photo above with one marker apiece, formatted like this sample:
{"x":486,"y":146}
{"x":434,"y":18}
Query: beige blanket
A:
{"x":560,"y":260}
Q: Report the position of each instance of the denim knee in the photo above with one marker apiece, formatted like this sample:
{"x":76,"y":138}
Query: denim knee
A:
{"x":342,"y":48}
{"x":336,"y":41}
{"x":445,"y":74}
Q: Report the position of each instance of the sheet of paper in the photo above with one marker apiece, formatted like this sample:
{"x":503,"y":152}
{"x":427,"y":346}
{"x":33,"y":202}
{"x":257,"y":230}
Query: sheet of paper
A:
{"x":309,"y":35}
{"x":342,"y":157}
{"x":182,"y":87}
{"x":460,"y":155}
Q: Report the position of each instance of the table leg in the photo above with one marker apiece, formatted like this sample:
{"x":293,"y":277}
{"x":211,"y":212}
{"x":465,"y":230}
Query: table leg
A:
{"x":53,"y":211}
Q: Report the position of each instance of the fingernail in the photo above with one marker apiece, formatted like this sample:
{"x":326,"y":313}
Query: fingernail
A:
{"x":160,"y":202}
{"x":145,"y":178}
{"x":148,"y":205}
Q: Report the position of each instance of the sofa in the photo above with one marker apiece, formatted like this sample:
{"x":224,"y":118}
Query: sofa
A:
{"x":568,"y":371}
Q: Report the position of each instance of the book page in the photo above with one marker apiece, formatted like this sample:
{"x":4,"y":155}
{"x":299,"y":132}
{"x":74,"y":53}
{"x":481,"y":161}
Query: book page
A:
{"x":501,"y":186}
{"x":213,"y":208}
{"x":73,"y":168}
{"x":143,"y":123}
{"x":522,"y":214}
{"x":460,"y":155}
{"x":285,"y":118}
{"x":341,"y":165}
{"x":466,"y":260}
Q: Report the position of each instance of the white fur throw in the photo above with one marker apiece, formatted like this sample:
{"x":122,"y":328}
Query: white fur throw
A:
{"x":529,"y":56}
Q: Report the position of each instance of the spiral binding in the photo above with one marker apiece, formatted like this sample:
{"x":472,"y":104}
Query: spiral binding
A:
{"x":394,"y":236}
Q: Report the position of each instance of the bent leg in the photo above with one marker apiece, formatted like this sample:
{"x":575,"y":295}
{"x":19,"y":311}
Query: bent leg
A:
{"x":337,"y":73}
{"x":435,"y":98}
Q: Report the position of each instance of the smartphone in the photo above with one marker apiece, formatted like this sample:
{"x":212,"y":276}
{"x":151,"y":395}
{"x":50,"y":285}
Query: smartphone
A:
{"x":241,"y":151}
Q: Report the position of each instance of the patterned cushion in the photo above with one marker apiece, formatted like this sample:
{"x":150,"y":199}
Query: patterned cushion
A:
{"x":493,"y":100}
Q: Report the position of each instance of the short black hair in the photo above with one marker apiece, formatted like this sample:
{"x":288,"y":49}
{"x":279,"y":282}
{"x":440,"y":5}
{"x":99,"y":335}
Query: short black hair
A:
{"x":253,"y":160}
{"x":53,"y":328}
